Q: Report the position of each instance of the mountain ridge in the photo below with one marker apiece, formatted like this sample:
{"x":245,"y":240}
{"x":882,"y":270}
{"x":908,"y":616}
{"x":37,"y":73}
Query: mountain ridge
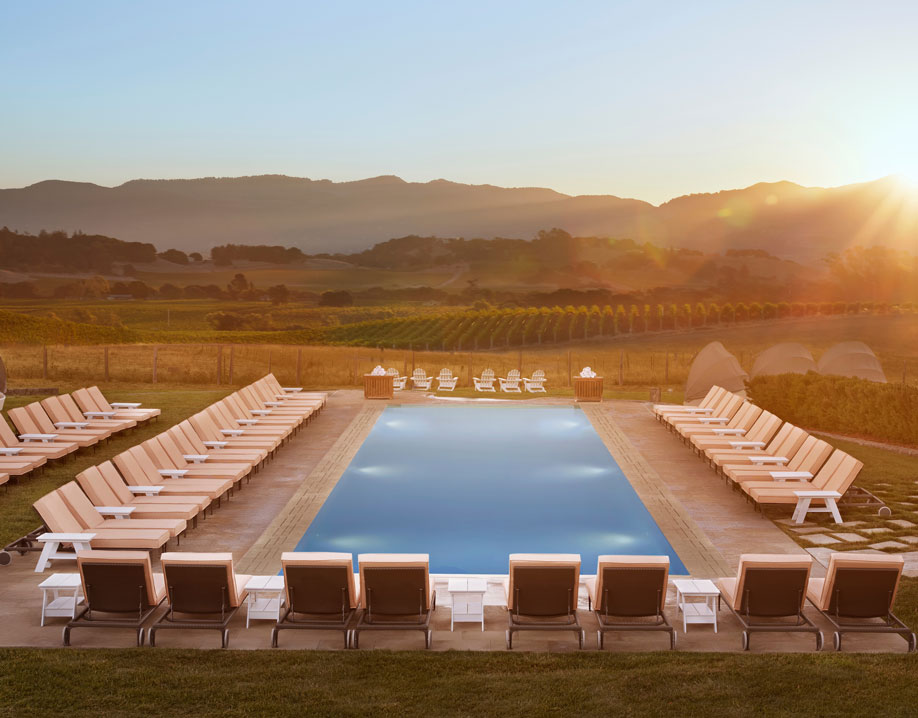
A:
{"x":319,"y":215}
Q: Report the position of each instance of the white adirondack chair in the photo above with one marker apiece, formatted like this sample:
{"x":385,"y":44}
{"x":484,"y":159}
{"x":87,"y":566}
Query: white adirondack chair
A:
{"x":398,"y":382}
{"x":511,"y":383}
{"x":446,"y":381}
{"x":535,"y":383}
{"x":420,"y":379}
{"x":485,"y":382}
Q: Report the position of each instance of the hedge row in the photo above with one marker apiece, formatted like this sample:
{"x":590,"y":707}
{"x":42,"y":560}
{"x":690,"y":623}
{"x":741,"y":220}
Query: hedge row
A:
{"x":886,"y":412}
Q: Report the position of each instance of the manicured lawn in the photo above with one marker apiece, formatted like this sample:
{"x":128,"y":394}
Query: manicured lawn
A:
{"x":16,"y":514}
{"x":154,"y":682}
{"x":889,"y":475}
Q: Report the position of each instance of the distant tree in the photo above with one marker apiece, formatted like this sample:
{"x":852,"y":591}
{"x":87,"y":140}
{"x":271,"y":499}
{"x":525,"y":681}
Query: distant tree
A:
{"x":238,"y":286}
{"x":170,"y":291}
{"x":128,"y":270}
{"x":279,"y":294}
{"x":19,"y":290}
{"x":176,"y":256}
{"x":96,"y":287}
{"x":196,"y":257}
{"x":71,"y":290}
{"x":226,"y":321}
{"x":341,"y":298}
{"x":140,"y":290}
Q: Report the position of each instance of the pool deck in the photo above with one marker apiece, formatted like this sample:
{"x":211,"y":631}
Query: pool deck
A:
{"x":707,"y":524}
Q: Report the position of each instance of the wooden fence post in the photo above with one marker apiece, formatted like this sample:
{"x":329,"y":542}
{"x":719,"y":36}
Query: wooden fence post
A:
{"x":621,"y":369}
{"x":219,"y":365}
{"x":232,"y":367}
{"x":299,"y":364}
{"x":667,"y":366}
{"x":569,"y":367}
{"x":412,"y":358}
{"x":269,"y":360}
{"x":470,"y":368}
{"x":519,"y":365}
{"x":106,"y":364}
{"x":44,"y":374}
{"x":155,"y":362}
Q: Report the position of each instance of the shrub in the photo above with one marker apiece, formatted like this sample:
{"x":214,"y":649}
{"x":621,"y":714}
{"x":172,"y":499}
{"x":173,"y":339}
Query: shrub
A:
{"x":887,"y":412}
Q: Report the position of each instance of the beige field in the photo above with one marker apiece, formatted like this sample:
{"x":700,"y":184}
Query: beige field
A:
{"x":631,"y":361}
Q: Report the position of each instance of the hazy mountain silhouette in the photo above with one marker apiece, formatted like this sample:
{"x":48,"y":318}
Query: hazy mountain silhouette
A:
{"x":323,"y":216}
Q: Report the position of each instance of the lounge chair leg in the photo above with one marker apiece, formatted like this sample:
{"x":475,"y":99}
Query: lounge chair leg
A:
{"x":745,"y":640}
{"x":836,"y":641}
{"x":911,"y":642}
{"x":672,"y":640}
{"x":509,"y":640}
{"x":274,"y":638}
{"x":153,"y":637}
{"x":139,"y":636}
{"x":66,"y":636}
{"x":599,"y":639}
{"x":224,"y":638}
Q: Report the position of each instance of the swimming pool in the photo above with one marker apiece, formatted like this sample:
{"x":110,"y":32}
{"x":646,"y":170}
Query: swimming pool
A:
{"x":471,"y":485}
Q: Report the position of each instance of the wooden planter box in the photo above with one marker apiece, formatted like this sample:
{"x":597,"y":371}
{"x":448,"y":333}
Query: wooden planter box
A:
{"x":588,"y":389}
{"x":377,"y":387}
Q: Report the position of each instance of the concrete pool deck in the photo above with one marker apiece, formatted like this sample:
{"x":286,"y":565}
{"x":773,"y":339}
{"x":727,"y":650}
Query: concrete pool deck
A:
{"x":707,"y":524}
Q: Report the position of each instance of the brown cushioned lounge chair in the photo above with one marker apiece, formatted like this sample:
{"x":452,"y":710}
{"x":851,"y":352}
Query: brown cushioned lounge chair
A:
{"x":49,"y":449}
{"x":204,"y":593}
{"x":58,"y":518}
{"x":629,"y":594}
{"x":321,"y":593}
{"x":858,"y":593}
{"x":92,"y":399}
{"x":768,"y":595}
{"x":98,"y":490}
{"x":542,"y":591}
{"x":396,"y":594}
{"x":705,"y":406}
{"x":121,"y":591}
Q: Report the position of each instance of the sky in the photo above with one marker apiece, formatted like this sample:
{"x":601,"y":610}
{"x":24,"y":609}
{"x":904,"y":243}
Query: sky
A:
{"x":649,"y":99}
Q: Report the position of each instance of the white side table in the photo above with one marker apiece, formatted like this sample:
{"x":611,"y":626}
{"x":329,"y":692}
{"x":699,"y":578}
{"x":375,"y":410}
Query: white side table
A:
{"x":467,"y":597}
{"x":61,"y":593}
{"x":803,"y":505}
{"x":704,"y":611}
{"x":52,"y":542}
{"x":266,"y":596}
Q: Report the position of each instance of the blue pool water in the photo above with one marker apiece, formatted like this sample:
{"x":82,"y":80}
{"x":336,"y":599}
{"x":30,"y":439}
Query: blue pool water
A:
{"x":471,"y":485}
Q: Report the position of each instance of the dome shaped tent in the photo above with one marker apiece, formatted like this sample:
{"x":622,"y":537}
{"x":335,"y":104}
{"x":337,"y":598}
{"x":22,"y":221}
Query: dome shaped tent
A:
{"x":787,"y":358}
{"x":854,"y":359}
{"x":714,"y":366}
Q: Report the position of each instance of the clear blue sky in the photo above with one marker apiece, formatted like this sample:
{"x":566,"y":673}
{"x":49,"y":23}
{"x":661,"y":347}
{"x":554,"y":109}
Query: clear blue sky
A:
{"x":638,"y":99}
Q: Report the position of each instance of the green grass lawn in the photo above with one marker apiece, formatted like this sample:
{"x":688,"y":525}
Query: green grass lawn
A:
{"x":16,"y":514}
{"x":165,"y":682}
{"x":893,"y":478}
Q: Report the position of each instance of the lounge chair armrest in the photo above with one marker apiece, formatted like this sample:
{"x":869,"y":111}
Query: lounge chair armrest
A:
{"x":694,"y":409}
{"x":172,"y":473}
{"x":196,"y":458}
{"x":261,"y":412}
{"x":215,"y":444}
{"x":10,"y":450}
{"x":786,"y":475}
{"x":126,"y":404}
{"x":58,"y":536}
{"x":274,"y":403}
{"x":282,"y":397}
{"x":292,"y":389}
{"x":747,"y":444}
{"x":768,"y":459}
{"x":71,"y":424}
{"x":99,"y":414}
{"x":714,"y":419}
{"x":246,"y":422}
{"x":118,"y":512}
{"x":38,"y":437}
{"x":145,"y":490}
{"x":729,"y":432}
{"x":232,"y":432}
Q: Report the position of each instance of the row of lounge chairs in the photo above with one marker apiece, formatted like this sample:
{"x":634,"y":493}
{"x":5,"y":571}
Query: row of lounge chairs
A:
{"x":395,"y":592}
{"x":146,"y":495}
{"x":59,"y":426}
{"x":447,"y":381}
{"x":756,"y":452}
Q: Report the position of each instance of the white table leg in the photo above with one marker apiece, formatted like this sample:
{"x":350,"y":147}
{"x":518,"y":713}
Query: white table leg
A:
{"x":713,"y":600}
{"x":803,"y":505}
{"x":833,"y":508}
{"x":47,"y":550}
{"x":44,"y":604}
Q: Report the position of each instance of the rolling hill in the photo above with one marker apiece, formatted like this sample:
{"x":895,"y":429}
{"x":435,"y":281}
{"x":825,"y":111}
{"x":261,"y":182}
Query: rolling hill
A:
{"x":789,"y":220}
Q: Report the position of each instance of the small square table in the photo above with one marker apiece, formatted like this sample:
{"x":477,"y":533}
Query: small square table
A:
{"x":266,"y":596}
{"x":52,"y":543}
{"x":704,"y":611}
{"x":61,"y":593}
{"x":467,"y":597}
{"x":803,"y":505}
